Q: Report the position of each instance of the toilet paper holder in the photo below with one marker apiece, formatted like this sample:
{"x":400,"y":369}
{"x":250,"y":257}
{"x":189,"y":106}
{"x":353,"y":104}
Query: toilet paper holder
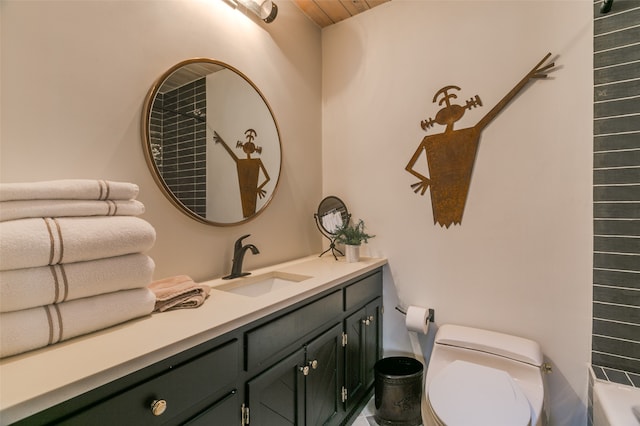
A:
{"x":430,"y":318}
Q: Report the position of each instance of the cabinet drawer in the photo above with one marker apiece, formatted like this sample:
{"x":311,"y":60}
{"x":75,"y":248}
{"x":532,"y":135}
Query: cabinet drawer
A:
{"x":363,"y":291}
{"x":277,"y":336}
{"x":181,"y":387}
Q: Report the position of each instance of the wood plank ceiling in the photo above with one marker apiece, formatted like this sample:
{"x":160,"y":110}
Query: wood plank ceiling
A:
{"x":327,"y":12}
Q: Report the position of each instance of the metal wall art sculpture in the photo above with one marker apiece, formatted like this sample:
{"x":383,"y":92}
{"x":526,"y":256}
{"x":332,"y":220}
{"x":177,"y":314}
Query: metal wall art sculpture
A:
{"x":451,"y":155}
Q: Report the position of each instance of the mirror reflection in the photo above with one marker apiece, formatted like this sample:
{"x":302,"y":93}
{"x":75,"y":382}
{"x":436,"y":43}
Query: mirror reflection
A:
{"x":332,"y":215}
{"x":212,"y":142}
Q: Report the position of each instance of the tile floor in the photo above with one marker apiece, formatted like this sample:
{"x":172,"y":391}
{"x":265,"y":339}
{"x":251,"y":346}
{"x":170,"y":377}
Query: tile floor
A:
{"x":365,"y":418}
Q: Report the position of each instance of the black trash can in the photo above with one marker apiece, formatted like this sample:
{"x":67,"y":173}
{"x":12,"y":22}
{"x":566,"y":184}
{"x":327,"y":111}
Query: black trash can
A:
{"x":398,"y":391}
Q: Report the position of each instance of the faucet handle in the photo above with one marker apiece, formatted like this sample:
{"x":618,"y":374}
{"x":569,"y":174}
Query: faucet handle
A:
{"x":238,"y":244}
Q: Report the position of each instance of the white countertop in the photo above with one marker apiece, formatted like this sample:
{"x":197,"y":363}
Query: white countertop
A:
{"x":36,"y":380}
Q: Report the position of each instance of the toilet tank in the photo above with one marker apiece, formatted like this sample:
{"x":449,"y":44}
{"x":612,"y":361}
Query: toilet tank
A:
{"x":499,"y":344}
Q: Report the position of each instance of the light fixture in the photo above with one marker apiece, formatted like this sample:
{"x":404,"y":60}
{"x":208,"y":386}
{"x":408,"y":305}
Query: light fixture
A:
{"x":266,"y":10}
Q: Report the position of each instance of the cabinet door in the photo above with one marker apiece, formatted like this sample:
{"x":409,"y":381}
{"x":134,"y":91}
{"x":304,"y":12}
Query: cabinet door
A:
{"x":276,"y":397}
{"x":323,"y":382}
{"x":372,"y":340}
{"x":364,"y":348}
{"x":354,"y":366}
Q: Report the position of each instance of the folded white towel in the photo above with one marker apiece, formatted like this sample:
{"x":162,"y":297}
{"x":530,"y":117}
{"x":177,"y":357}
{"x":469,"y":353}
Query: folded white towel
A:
{"x":30,"y":287}
{"x":27,"y":243}
{"x":29,"y":329}
{"x":69,"y":189}
{"x":21,"y":209}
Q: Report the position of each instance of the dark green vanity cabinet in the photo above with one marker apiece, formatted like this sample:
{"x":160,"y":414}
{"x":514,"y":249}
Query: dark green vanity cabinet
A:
{"x":330,"y":375}
{"x":363,"y":326}
{"x":310,"y":363}
{"x":363,"y":349}
{"x":302,"y":389}
{"x":175,"y":392}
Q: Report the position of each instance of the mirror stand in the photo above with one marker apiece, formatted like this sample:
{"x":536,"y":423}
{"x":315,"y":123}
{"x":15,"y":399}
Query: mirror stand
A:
{"x":331,"y":238}
{"x":332,"y":215}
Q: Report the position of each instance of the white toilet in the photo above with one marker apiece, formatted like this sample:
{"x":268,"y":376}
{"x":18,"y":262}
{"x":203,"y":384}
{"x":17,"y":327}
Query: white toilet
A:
{"x":480,"y":377}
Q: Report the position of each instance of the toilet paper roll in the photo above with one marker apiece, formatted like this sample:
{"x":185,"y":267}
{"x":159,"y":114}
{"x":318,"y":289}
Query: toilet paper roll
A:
{"x":417,"y":319}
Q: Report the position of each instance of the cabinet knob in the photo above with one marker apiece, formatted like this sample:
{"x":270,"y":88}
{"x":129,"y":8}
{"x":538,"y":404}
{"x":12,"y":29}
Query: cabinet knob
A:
{"x":368,"y":320}
{"x":305,"y":370}
{"x":313,"y":364}
{"x":158,"y":406}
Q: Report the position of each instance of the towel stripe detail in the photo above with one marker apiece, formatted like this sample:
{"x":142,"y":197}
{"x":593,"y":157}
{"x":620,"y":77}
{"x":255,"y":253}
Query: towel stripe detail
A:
{"x":51,"y":240}
{"x":61,"y":241}
{"x":56,"y":284}
{"x":50,"y":321}
{"x":60,"y":325}
{"x":104,"y":190}
{"x":101,"y":188}
{"x":60,"y":282}
{"x":53,"y":322}
{"x":65,"y":282}
{"x":112,"y":208}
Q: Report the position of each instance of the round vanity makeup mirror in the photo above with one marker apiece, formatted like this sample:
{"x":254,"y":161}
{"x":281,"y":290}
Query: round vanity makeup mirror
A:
{"x":211,"y":142}
{"x":332,"y":215}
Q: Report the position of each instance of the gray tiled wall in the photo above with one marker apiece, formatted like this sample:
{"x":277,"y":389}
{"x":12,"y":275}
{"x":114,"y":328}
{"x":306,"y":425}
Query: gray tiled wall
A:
{"x":616,"y":193}
{"x":179,"y":116}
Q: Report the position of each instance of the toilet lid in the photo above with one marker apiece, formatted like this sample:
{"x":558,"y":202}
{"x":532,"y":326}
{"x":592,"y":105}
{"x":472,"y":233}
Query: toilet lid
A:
{"x":470,"y":394}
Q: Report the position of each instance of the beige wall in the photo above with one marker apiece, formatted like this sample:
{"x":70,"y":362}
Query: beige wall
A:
{"x":521,"y":260}
{"x":74,"y":78}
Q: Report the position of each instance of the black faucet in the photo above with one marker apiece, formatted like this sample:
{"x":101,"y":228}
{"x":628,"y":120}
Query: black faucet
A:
{"x":238,"y":256}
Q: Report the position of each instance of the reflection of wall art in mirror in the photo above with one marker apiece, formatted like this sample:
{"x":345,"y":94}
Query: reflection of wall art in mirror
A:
{"x":248,"y":172}
{"x":186,"y":111}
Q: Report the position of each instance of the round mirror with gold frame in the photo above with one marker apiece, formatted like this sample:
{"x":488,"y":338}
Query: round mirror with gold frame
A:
{"x":211,"y":142}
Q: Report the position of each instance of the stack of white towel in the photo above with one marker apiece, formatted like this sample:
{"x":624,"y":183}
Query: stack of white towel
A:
{"x":71,"y":260}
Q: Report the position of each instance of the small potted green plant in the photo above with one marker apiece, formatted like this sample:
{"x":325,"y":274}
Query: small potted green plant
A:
{"x":352,"y":236}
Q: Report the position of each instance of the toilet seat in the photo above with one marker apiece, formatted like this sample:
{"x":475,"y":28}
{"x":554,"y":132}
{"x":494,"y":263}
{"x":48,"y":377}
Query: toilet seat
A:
{"x":465,"y":393}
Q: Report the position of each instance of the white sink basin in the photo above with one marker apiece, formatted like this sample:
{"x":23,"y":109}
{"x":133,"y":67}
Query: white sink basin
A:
{"x":259,"y":285}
